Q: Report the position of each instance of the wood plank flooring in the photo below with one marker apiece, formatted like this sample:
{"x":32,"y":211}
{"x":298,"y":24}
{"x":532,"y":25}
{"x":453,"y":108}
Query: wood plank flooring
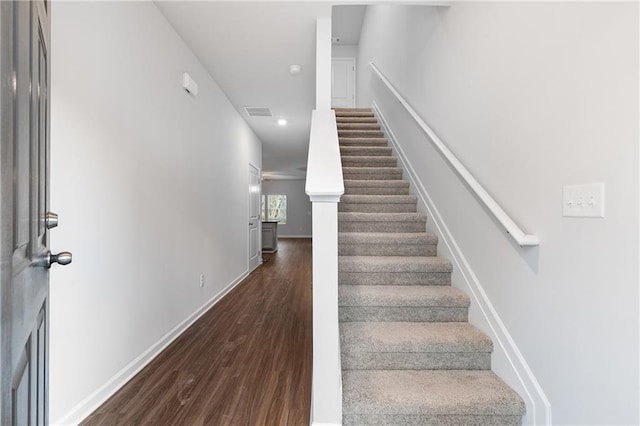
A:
{"x":245,"y":362}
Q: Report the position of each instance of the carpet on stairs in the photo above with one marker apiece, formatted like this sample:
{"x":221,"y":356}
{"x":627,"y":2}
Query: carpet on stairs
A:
{"x":409,"y":354}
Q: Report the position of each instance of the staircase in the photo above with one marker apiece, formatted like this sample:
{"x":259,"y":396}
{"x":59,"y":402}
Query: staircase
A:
{"x":409,"y":356}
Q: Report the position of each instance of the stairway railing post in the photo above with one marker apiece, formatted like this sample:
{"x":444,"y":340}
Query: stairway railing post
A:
{"x":324,"y":186}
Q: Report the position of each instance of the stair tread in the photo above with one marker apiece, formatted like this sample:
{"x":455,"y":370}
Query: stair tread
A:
{"x":363,"y":142}
{"x":372,"y":264}
{"x":345,"y":133}
{"x":372,"y":183}
{"x":381,"y":217}
{"x":352,"y":119}
{"x":381,"y":151}
{"x":428,"y":392}
{"x":364,"y":158}
{"x":351,"y":109}
{"x":362,"y":161}
{"x":405,"y":238}
{"x":369,"y":169}
{"x":368,"y":199}
{"x":413,"y":337}
{"x":402,"y":295}
{"x":358,"y":126}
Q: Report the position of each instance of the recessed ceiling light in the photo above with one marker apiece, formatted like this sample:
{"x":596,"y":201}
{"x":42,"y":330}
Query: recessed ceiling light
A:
{"x":282,"y":122}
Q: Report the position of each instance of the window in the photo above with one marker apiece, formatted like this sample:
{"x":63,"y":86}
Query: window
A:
{"x":274,"y":208}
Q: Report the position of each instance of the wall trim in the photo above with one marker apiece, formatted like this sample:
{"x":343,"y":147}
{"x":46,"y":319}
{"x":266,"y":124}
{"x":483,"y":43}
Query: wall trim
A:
{"x":538,"y":406}
{"x":294,"y":236}
{"x":97,"y":398}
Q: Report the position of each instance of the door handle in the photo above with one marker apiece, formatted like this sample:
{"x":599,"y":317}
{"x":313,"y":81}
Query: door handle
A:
{"x":48,"y":259}
{"x":51,"y":220}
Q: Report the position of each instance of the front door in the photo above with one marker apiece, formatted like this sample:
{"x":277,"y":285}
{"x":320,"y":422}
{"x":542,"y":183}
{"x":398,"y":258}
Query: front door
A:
{"x":24,"y":217}
{"x":254,"y":217}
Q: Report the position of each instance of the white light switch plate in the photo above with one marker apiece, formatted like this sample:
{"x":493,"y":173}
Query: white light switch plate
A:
{"x":583,"y":200}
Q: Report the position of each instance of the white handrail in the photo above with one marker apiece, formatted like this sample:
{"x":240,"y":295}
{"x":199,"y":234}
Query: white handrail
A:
{"x":510,"y":226}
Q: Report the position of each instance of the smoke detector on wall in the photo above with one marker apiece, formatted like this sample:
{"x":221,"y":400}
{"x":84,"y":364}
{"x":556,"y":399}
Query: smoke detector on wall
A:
{"x":336,"y":40}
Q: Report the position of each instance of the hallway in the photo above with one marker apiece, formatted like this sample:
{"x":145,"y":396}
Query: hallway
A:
{"x":245,"y":362}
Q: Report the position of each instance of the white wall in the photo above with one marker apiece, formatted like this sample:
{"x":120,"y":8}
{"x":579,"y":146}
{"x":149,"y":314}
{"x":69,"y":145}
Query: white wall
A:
{"x":344,"y":51}
{"x":151,"y":186}
{"x":298,"y":206}
{"x":531,"y":97}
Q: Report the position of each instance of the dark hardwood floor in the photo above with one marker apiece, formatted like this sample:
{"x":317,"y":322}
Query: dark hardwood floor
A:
{"x":245,"y":362}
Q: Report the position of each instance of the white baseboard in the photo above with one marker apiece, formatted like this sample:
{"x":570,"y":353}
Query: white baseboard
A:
{"x":96,"y":399}
{"x":538,"y":406}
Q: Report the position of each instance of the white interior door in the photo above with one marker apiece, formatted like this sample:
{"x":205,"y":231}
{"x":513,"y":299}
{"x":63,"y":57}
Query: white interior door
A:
{"x":254,"y":217}
{"x":343,"y":82}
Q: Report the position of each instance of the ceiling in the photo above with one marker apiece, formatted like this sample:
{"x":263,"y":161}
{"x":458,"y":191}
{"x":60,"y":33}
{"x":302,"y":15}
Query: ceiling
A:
{"x":247,"y":47}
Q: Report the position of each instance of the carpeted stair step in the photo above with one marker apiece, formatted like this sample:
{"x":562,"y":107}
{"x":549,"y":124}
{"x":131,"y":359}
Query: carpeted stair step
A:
{"x":374,"y":173}
{"x":394,"y":270}
{"x":365,"y":151}
{"x":386,"y":243}
{"x":440,"y":397}
{"x":376,"y":187}
{"x":414,"y":346}
{"x":402,"y":303}
{"x":381,"y":222}
{"x":368,"y":161}
{"x":358,"y":126}
{"x":354,"y":112}
{"x":348,"y":119}
{"x":360,"y":133}
{"x":377,"y":203}
{"x":362,"y":142}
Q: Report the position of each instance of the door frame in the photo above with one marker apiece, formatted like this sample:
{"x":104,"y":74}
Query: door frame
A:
{"x":259,"y":226}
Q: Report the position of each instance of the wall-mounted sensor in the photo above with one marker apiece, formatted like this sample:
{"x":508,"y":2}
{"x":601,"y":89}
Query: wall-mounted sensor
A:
{"x":189,"y":85}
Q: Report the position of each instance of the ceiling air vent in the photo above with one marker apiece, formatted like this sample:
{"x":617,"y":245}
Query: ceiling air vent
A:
{"x":257,"y":112}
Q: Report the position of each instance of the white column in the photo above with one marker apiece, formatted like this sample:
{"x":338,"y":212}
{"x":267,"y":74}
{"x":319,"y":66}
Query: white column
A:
{"x":323,"y":63}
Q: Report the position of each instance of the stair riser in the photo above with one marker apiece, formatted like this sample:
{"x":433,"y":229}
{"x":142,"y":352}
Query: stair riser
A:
{"x":360,"y":134}
{"x":379,"y":174}
{"x":431,"y":420}
{"x":402,"y":314}
{"x":381,"y":226}
{"x":375,"y":191}
{"x":394,"y":278}
{"x":366,"y":151}
{"x":377,"y":208}
{"x":415,"y":360}
{"x":387,"y":250}
{"x":369,"y":162}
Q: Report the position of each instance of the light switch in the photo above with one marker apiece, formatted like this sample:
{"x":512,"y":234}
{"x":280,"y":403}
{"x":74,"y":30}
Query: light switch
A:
{"x":583,"y":200}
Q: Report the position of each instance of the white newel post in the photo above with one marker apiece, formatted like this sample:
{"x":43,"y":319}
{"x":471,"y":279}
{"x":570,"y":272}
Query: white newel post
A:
{"x":324,"y":186}
{"x":327,"y":381}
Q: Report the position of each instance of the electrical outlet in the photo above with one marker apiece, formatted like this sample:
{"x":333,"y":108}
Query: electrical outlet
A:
{"x":583,"y":200}
{"x":202,"y":280}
